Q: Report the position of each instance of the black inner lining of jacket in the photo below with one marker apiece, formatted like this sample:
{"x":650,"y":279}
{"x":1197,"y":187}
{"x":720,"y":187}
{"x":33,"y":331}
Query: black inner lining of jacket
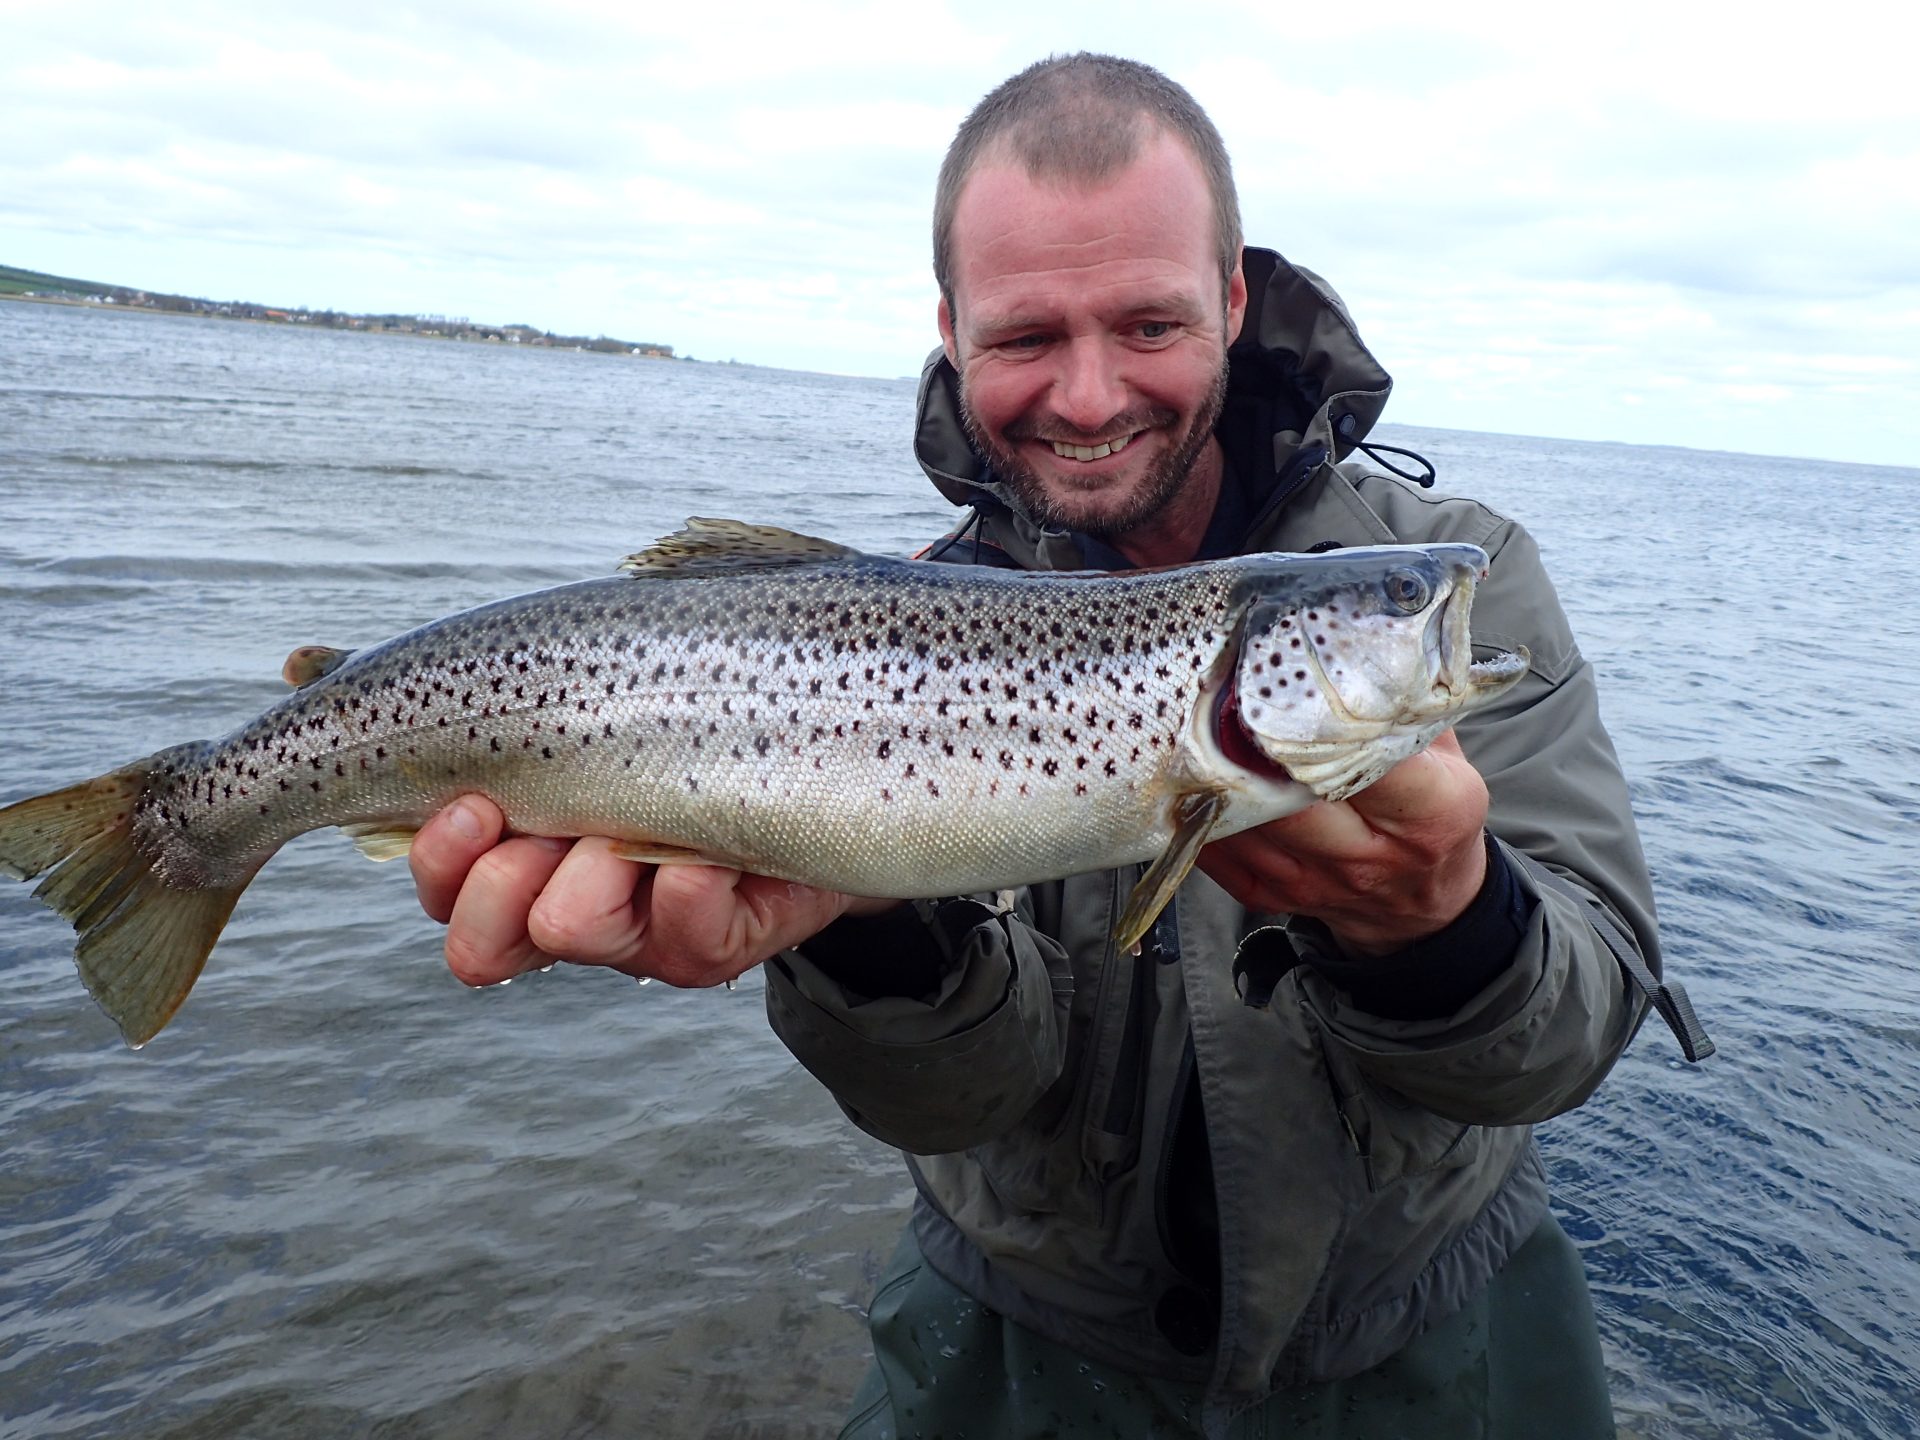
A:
{"x":1434,"y":977}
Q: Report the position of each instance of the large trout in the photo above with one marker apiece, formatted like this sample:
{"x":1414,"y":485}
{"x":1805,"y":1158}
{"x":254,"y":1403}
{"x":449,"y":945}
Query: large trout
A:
{"x":750,"y":697}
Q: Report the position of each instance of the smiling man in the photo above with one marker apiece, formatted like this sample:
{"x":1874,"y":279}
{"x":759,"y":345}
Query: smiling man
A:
{"x":1092,"y":353}
{"x":1276,"y":1174}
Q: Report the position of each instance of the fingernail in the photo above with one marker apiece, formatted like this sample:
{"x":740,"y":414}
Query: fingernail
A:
{"x":549,"y":842}
{"x":464,"y":820}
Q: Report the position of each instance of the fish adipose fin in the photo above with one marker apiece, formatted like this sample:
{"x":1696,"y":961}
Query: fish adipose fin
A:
{"x":1194,"y":816}
{"x":309,"y":663}
{"x":142,"y":941}
{"x":381,"y":840}
{"x":714,"y":546}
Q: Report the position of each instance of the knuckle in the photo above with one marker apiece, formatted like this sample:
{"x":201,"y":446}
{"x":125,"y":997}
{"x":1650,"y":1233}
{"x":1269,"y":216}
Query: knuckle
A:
{"x":494,"y":870}
{"x":564,"y":931}
{"x":470,"y":963}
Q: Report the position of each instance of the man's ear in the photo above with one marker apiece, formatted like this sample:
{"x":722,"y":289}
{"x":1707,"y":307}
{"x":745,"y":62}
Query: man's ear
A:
{"x":945,"y":314}
{"x":1236,"y":301}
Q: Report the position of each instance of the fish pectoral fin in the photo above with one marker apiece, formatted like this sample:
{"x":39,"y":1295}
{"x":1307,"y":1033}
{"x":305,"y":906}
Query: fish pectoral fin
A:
{"x":658,"y":852}
{"x":712,"y":546}
{"x":1195,"y":814}
{"x":382,"y":840}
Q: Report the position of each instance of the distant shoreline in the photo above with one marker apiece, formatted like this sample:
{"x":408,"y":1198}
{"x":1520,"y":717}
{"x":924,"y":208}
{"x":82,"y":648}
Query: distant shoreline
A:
{"x":55,"y":290}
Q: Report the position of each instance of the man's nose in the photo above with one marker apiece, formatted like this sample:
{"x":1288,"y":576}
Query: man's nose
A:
{"x":1091,"y":389}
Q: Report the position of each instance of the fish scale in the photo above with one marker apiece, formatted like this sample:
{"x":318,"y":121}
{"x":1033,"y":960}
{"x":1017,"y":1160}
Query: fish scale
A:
{"x":788,"y":706}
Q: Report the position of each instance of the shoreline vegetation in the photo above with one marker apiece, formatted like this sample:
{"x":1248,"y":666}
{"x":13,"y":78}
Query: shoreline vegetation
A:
{"x":34,"y":286}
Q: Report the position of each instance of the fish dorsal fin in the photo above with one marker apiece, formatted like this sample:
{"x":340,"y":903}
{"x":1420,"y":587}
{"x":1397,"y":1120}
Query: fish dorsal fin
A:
{"x":710,"y":546}
{"x":310,"y":662}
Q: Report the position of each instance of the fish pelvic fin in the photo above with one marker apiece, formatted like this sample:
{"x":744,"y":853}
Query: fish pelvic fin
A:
{"x":659,"y":852}
{"x":382,"y":840}
{"x":717,"y":546}
{"x":142,"y":942}
{"x":1195,"y":814}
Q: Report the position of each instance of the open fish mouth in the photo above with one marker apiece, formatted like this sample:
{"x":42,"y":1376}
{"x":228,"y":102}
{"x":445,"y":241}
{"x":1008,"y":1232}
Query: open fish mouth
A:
{"x":1450,"y":652}
{"x":1498,"y":671}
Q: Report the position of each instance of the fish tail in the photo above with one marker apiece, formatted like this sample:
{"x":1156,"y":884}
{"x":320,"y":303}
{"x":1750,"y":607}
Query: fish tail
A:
{"x":142,"y":940}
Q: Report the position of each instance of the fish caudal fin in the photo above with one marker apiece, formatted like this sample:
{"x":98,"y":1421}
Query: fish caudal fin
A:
{"x":142,"y":941}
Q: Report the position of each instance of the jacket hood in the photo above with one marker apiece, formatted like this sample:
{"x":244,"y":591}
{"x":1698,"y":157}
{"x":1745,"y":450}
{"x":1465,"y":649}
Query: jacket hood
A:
{"x":1298,"y":371}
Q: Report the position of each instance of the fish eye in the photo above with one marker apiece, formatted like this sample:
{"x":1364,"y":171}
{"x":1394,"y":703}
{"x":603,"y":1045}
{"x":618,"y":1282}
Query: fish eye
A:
{"x":1408,"y":590}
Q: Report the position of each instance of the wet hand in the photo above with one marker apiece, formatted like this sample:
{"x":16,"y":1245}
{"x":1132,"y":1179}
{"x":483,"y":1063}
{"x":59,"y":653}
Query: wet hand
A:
{"x":1382,"y":869}
{"x":518,"y":903}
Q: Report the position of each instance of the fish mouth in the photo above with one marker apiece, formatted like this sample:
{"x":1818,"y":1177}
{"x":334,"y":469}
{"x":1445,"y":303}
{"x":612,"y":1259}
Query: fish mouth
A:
{"x":1496,"y":672}
{"x":1457,"y":676}
{"x":1449,"y":651}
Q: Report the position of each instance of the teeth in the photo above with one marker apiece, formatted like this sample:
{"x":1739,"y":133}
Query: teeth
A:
{"x":1091,"y":452}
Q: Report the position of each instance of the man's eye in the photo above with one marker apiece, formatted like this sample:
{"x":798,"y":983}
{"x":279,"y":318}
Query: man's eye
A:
{"x":1026,"y":342}
{"x":1155,"y":329}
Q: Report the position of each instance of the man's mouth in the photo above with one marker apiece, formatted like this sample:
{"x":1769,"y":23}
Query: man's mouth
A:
{"x":1092,"y":452}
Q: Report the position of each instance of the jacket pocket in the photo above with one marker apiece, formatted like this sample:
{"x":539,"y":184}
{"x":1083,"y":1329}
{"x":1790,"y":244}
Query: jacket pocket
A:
{"x":1050,"y":1162}
{"x":1394,"y":1138}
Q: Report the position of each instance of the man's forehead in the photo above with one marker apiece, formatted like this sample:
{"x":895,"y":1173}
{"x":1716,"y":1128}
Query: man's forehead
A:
{"x":1161,"y":164}
{"x":1145,"y":227}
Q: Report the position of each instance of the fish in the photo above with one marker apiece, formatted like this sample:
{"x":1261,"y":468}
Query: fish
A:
{"x":741,"y":695}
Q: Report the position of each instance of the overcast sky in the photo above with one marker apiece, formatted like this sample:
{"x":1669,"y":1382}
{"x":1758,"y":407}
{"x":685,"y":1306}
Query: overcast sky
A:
{"x":1632,"y":223}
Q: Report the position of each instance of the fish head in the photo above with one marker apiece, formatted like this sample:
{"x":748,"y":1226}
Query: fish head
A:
{"x":1351,"y":661}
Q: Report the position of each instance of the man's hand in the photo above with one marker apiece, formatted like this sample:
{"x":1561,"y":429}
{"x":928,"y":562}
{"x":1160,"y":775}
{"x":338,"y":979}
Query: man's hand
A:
{"x":520,"y":903}
{"x":1389,"y":866}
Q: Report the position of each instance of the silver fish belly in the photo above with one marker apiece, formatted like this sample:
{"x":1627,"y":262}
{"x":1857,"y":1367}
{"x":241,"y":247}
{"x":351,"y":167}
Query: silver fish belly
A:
{"x":744,"y":697}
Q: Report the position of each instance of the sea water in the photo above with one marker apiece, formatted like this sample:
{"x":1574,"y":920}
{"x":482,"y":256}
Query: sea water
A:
{"x":342,"y":1195}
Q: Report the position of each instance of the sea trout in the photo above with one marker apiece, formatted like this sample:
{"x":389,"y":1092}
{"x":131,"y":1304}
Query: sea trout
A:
{"x":749,"y":697}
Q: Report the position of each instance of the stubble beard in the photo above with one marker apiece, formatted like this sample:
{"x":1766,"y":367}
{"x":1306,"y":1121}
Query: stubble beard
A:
{"x":1090,"y":508}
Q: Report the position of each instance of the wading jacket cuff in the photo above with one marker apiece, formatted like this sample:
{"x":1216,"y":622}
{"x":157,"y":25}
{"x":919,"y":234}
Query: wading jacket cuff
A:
{"x":893,"y":953}
{"x":941,"y":1073}
{"x":1434,"y":977}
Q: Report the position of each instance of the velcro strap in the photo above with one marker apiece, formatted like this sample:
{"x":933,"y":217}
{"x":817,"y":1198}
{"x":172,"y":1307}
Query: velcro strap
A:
{"x":1668,"y":997}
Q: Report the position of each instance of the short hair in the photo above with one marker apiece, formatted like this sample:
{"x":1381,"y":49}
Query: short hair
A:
{"x":1082,"y":117}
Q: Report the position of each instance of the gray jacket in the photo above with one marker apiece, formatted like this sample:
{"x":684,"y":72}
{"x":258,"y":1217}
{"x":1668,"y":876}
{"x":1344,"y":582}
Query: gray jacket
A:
{"x":1369,"y":1174}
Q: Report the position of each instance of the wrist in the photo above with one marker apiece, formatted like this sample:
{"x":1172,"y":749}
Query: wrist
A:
{"x":1434,"y":976}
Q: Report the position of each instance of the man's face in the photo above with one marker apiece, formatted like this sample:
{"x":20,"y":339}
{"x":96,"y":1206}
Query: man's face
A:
{"x":1090,"y":332}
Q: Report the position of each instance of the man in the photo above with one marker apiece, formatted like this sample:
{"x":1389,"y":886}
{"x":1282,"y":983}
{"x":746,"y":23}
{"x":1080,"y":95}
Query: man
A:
{"x":1143,"y":1202}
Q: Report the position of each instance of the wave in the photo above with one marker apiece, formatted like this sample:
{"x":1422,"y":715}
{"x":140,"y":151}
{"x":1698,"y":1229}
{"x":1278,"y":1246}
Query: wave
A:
{"x":255,"y":465}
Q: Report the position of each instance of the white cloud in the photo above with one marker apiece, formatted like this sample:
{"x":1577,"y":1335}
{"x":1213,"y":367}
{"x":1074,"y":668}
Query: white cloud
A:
{"x":1578,"y":222}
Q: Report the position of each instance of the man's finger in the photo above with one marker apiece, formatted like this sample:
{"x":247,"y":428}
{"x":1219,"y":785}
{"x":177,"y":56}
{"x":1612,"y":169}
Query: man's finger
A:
{"x":1439,"y":781}
{"x":487,"y":938}
{"x":710,"y":924}
{"x":446,"y":847}
{"x":586,"y":912}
